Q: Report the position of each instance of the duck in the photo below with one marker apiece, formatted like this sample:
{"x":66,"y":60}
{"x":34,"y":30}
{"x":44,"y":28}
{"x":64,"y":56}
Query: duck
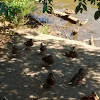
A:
{"x":83,"y":22}
{"x":75,"y":31}
{"x":78,"y":77}
{"x":48,"y":60}
{"x":28,"y":43}
{"x":72,"y":53}
{"x":43,"y":48}
{"x":15,"y":51}
{"x":68,"y":11}
{"x":50,"y":81}
{"x":93,"y":96}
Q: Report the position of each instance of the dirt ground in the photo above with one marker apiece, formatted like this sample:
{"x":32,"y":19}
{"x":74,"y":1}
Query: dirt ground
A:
{"x":21,"y":78}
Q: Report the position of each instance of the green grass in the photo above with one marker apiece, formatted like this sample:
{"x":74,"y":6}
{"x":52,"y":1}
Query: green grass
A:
{"x":15,"y":10}
{"x":45,"y":29}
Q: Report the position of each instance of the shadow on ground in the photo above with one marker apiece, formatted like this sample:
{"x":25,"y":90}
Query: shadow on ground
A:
{"x":23,"y":76}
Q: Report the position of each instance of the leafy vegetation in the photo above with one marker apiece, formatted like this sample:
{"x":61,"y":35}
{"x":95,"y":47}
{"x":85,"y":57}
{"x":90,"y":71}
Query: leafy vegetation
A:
{"x":15,"y":10}
{"x":45,"y":29}
{"x":82,"y":5}
{"x":47,"y":6}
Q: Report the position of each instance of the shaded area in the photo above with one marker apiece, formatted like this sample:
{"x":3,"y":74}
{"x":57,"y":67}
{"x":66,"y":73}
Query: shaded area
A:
{"x":5,"y":28}
{"x":23,"y":76}
{"x":32,"y":22}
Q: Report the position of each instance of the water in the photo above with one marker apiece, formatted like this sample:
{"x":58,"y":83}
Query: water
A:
{"x":65,"y":27}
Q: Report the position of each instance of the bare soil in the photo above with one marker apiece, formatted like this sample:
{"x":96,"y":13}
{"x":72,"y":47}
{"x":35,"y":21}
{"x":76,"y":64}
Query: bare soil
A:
{"x":21,"y":78}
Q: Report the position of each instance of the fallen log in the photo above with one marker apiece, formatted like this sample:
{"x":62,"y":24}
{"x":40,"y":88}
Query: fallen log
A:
{"x":73,"y":19}
{"x":59,"y":14}
{"x":65,"y":16}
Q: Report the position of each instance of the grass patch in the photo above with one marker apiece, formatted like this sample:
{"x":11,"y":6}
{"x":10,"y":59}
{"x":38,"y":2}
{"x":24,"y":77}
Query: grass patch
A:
{"x":46,"y":29}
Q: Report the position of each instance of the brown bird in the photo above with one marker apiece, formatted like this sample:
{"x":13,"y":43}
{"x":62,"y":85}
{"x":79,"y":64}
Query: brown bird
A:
{"x":50,"y":81}
{"x":43,"y":49}
{"x":28,"y":43}
{"x":93,"y":96}
{"x":49,"y":60}
{"x":15,"y":51}
{"x":72,"y":53}
{"x":78,"y":77}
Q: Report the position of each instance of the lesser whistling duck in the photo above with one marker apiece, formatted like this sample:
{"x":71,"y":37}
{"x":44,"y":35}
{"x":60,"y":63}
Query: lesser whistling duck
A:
{"x":72,"y":53}
{"x":49,"y":60}
{"x":43,"y":49}
{"x":78,"y":77}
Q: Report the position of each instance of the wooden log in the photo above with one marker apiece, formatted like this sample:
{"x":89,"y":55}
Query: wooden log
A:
{"x":59,"y":14}
{"x":73,"y":19}
{"x":65,"y":16}
{"x":91,"y":41}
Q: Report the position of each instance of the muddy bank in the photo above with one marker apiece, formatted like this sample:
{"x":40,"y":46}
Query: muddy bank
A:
{"x":64,"y":27}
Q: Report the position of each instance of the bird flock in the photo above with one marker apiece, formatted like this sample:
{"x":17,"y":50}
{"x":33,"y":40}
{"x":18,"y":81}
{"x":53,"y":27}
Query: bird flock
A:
{"x":50,"y":82}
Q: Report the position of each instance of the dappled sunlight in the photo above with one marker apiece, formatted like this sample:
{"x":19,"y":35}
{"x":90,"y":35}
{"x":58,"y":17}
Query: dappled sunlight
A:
{"x":29,"y":73}
{"x":58,"y":72}
{"x":32,"y":96}
{"x":3,"y":86}
{"x":24,"y":76}
{"x":95,"y":75}
{"x":71,"y":98}
{"x":14,"y":92}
